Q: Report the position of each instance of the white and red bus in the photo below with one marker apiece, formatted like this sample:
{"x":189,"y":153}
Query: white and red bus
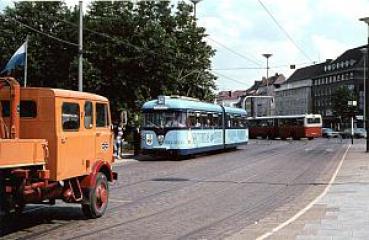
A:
{"x":294,"y":126}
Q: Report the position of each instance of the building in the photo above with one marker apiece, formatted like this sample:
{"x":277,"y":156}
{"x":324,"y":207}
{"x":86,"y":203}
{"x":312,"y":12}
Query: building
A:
{"x":294,"y":95}
{"x":310,"y":89}
{"x":347,"y":70}
{"x":263,"y":102}
{"x":229,"y":98}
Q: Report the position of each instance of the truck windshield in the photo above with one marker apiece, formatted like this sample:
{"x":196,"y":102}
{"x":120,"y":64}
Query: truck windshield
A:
{"x":164,"y":119}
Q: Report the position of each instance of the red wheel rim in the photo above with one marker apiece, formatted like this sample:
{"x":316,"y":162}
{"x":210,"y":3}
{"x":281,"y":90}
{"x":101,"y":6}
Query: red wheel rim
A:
{"x":101,"y":196}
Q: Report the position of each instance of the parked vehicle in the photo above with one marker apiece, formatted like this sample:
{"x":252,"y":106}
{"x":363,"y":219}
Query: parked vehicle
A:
{"x":55,"y":144}
{"x":329,"y":133}
{"x":358,"y":133}
{"x":183,"y":126}
{"x":294,"y":126}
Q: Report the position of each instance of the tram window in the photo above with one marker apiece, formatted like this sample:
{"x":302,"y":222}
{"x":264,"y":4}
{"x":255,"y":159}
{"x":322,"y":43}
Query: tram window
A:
{"x":313,"y":120}
{"x":216,"y":120}
{"x":198,"y":120}
{"x":191,"y":119}
{"x":101,"y":115}
{"x":175,"y":119}
{"x":70,"y":116}
{"x":300,"y":122}
{"x":88,"y":121}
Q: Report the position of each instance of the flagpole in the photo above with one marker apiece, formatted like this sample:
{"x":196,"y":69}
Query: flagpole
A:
{"x":80,"y":49}
{"x":25,"y":64}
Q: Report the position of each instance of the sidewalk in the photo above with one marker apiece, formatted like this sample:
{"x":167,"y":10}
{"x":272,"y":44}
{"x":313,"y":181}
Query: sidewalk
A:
{"x":343,"y":213}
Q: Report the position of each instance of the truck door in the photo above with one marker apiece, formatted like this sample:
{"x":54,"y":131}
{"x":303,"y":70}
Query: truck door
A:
{"x":71,"y":149}
{"x":104,"y":138}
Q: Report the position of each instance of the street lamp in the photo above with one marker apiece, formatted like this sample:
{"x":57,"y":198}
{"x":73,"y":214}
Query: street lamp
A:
{"x":267,"y":56}
{"x":194,"y":6}
{"x":366,"y":98}
{"x":352,"y":105}
{"x":364,"y":51}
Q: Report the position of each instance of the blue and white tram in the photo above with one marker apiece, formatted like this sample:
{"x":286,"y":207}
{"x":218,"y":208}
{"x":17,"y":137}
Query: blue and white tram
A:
{"x":183,"y":126}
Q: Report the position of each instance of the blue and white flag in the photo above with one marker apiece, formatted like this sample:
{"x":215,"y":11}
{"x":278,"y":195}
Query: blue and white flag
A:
{"x":18,"y":59}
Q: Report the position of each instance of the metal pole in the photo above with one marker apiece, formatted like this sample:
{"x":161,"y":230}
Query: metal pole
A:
{"x":25,"y":64}
{"x":80,"y":49}
{"x":194,"y":10}
{"x":367,"y":95}
{"x":352,"y":130}
{"x":364,"y":118}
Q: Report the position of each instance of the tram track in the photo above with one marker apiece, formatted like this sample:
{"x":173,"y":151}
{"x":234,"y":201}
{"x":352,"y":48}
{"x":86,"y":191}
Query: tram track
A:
{"x":142,"y":203}
{"x":160,"y":212}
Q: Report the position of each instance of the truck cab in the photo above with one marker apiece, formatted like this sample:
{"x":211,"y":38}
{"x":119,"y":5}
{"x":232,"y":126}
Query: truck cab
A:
{"x":67,"y":148}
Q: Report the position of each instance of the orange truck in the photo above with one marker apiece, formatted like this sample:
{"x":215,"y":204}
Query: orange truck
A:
{"x":54,"y":144}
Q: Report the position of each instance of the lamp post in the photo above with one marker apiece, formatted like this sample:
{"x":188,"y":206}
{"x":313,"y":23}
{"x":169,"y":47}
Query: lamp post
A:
{"x":366,"y":98}
{"x":364,"y":52}
{"x":195,"y":2}
{"x":267,"y":56}
{"x":352,"y":105}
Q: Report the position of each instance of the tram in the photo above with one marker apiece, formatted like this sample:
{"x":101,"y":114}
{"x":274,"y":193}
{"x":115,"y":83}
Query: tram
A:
{"x":292,"y":126}
{"x":183,"y":126}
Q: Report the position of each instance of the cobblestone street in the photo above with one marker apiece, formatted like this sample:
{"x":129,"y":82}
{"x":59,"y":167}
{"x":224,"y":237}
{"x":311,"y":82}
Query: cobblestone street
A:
{"x":247,"y":191}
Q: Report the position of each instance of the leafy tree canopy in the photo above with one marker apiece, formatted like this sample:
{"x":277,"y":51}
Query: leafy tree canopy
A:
{"x":132,"y":51}
{"x":340,"y":100}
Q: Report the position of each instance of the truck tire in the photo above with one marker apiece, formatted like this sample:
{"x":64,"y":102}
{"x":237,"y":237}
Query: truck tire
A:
{"x":96,"y":199}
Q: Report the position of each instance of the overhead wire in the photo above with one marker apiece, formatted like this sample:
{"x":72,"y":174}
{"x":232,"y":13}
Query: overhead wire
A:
{"x":43,"y":33}
{"x":227,"y":77}
{"x":234,"y":52}
{"x":284,"y":31}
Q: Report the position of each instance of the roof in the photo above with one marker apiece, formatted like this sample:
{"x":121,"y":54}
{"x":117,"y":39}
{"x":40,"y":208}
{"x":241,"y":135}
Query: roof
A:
{"x":286,"y":116}
{"x":275,"y":79}
{"x":66,"y":93}
{"x":235,"y":110}
{"x":181,"y":103}
{"x":307,"y":72}
{"x":354,"y":53}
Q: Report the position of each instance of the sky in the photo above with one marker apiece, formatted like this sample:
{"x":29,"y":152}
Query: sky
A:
{"x":303,"y":32}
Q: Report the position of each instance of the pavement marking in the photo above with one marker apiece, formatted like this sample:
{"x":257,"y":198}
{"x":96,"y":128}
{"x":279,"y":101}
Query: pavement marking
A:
{"x":310,"y":205}
{"x":119,"y":201}
{"x":123,"y":161}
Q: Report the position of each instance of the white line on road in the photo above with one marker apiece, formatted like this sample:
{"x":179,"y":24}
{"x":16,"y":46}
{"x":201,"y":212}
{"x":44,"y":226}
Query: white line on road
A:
{"x":310,"y":205}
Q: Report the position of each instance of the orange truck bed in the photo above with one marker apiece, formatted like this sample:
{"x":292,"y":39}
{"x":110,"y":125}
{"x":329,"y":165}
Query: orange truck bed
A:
{"x":22,"y":152}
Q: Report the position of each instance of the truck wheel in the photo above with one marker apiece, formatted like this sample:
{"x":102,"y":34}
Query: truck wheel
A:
{"x":97,"y":198}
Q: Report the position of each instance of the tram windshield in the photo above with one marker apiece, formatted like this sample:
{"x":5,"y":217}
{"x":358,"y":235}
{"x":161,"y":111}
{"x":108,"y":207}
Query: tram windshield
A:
{"x":165,"y":120}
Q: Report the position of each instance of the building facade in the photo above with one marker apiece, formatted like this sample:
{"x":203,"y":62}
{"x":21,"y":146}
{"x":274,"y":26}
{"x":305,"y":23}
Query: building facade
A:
{"x":347,"y":70}
{"x":294,"y":95}
{"x":311,"y":89}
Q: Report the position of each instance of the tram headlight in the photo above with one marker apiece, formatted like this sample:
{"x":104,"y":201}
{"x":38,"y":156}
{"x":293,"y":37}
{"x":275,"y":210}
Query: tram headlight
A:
{"x":161,"y":139}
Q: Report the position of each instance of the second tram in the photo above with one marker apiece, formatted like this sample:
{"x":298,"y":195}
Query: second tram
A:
{"x":294,"y":126}
{"x":184,"y":126}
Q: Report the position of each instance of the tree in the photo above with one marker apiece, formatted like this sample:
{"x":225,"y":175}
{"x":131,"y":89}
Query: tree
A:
{"x":133,"y":51}
{"x":49,"y":61}
{"x":340,"y":100}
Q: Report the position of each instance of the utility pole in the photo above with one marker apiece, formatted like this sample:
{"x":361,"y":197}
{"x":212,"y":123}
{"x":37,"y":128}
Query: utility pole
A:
{"x":267,"y":56}
{"x":80,"y":49}
{"x":364,"y":51}
{"x":195,"y":2}
{"x":366,"y":20}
